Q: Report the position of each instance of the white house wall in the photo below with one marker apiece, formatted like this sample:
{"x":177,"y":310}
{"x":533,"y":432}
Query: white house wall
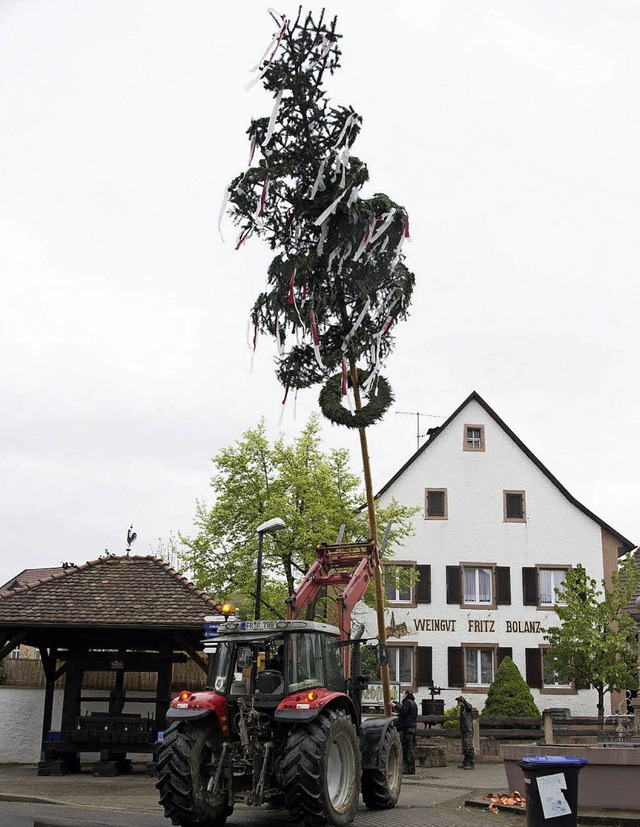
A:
{"x":556,"y":532}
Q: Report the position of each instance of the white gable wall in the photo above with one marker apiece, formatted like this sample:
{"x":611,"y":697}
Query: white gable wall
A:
{"x":556,"y":532}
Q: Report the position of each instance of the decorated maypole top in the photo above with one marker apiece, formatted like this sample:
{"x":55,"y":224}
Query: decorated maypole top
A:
{"x":338,"y":283}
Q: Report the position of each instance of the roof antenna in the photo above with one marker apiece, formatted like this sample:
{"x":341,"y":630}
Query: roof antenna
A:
{"x":131,"y":538}
{"x":417,"y":415}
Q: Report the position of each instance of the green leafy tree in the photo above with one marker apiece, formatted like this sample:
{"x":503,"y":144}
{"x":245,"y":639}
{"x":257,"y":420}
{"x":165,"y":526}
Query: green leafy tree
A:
{"x":595,"y":643}
{"x":509,"y":694}
{"x":315,"y":493}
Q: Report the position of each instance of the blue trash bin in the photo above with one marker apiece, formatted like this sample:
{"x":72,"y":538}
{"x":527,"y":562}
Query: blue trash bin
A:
{"x":551,"y":789}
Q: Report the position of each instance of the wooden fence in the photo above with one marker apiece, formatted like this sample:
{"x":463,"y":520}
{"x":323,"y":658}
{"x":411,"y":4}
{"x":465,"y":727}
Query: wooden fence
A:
{"x":29,"y":673}
{"x":551,"y":728}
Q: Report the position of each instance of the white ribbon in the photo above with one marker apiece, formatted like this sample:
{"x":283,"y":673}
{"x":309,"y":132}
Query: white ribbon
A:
{"x":272,"y":119}
{"x":356,"y":325}
{"x":330,"y":209}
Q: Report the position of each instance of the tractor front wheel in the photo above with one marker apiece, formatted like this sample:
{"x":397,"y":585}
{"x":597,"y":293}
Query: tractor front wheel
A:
{"x":187,"y":759}
{"x":322,"y":771}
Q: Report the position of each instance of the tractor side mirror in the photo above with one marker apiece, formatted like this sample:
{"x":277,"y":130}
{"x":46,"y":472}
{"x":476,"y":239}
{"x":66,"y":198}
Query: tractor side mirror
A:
{"x":382,"y":654}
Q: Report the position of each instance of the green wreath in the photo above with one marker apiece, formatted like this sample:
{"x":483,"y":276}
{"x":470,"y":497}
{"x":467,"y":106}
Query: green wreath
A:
{"x":331,"y":402}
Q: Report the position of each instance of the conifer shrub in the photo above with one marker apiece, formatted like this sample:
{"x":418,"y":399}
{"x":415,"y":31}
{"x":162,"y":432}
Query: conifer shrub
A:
{"x":509,"y":695}
{"x":454,"y":712}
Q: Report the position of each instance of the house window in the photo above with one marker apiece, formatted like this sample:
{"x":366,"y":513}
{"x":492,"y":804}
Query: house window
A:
{"x":539,"y":675}
{"x":539,"y":584}
{"x":398,"y":584}
{"x":514,"y":507}
{"x":548,"y":581}
{"x":477,"y":583}
{"x":478,"y":666}
{"x":435,"y":507}
{"x":14,"y":654}
{"x":550,"y":678}
{"x":473,"y":438}
{"x":481,"y":585}
{"x":401,"y":665}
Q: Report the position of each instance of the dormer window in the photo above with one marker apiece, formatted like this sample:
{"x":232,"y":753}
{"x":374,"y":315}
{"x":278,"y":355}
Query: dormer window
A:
{"x":473,"y":438}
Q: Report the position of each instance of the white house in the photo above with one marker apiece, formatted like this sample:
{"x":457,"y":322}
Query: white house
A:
{"x":495,"y":533}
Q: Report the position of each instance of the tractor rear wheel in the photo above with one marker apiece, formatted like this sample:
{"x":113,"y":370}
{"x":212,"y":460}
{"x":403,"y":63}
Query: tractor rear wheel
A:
{"x":381,"y":785}
{"x":321,"y":771}
{"x":186,"y":758}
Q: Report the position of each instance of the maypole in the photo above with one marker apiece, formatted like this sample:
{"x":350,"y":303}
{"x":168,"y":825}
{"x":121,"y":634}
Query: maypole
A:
{"x":337,"y":283}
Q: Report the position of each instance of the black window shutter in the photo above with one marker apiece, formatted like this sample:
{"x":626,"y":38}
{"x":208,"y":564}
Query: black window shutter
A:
{"x":529,"y":586}
{"x":453,"y":584}
{"x":581,"y":683}
{"x":435,"y":504}
{"x":425,"y":665}
{"x":533,"y":666}
{"x":504,"y":652}
{"x":423,"y":587}
{"x":503,"y":585}
{"x":515,"y":506}
{"x":455,"y":658}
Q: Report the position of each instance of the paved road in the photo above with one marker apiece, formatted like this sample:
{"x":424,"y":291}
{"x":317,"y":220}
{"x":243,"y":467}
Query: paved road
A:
{"x":433,"y":798}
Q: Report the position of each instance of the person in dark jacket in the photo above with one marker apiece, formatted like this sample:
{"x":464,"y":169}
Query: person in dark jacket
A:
{"x":407,"y":713}
{"x":466,"y":733}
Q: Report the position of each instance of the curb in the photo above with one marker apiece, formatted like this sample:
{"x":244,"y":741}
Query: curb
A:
{"x":600,"y":820}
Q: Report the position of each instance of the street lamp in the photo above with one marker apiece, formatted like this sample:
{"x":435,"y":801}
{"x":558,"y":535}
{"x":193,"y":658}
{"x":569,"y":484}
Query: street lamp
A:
{"x":270,"y":527}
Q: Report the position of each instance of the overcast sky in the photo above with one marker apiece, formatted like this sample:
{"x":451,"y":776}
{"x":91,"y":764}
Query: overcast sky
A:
{"x":508,"y":129}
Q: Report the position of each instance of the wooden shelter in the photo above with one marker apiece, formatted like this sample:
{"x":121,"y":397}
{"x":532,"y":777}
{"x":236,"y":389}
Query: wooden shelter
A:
{"x":119,"y":614}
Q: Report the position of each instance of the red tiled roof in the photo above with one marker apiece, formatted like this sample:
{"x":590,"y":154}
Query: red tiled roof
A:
{"x":112,"y":591}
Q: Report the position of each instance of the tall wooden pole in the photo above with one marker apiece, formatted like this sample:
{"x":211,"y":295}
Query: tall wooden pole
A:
{"x":373,"y":530}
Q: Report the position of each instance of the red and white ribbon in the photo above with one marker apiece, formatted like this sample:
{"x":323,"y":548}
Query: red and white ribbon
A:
{"x":315,"y":339}
{"x":365,"y":240}
{"x":272,"y":47}
{"x":291,"y":298}
{"x":386,"y":219}
{"x":244,"y":235}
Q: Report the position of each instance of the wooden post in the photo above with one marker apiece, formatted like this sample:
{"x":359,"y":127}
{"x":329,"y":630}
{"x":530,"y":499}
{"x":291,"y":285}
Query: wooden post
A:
{"x":476,"y":731}
{"x":163,"y":685}
{"x":373,"y":530}
{"x":547,"y":726}
{"x":49,"y":666}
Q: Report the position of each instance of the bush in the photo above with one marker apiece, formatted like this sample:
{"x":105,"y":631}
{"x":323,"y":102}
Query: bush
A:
{"x":509,"y":695}
{"x":454,"y":712}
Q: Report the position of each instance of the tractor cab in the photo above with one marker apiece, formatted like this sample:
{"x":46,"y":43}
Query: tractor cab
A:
{"x":268,"y":659}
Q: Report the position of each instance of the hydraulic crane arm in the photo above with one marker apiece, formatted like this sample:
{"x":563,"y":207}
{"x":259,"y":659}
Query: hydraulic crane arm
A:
{"x":346,"y":565}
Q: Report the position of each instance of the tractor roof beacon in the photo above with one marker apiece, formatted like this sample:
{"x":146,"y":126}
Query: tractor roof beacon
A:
{"x":280,"y":721}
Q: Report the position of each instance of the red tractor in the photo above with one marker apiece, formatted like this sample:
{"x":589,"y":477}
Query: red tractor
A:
{"x":280,"y":721}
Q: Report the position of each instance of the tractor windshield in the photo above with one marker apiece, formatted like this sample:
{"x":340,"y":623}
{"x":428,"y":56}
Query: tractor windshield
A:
{"x":273,"y":665}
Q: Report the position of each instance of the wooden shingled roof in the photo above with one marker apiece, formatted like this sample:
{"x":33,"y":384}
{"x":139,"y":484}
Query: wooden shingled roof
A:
{"x":109,"y":592}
